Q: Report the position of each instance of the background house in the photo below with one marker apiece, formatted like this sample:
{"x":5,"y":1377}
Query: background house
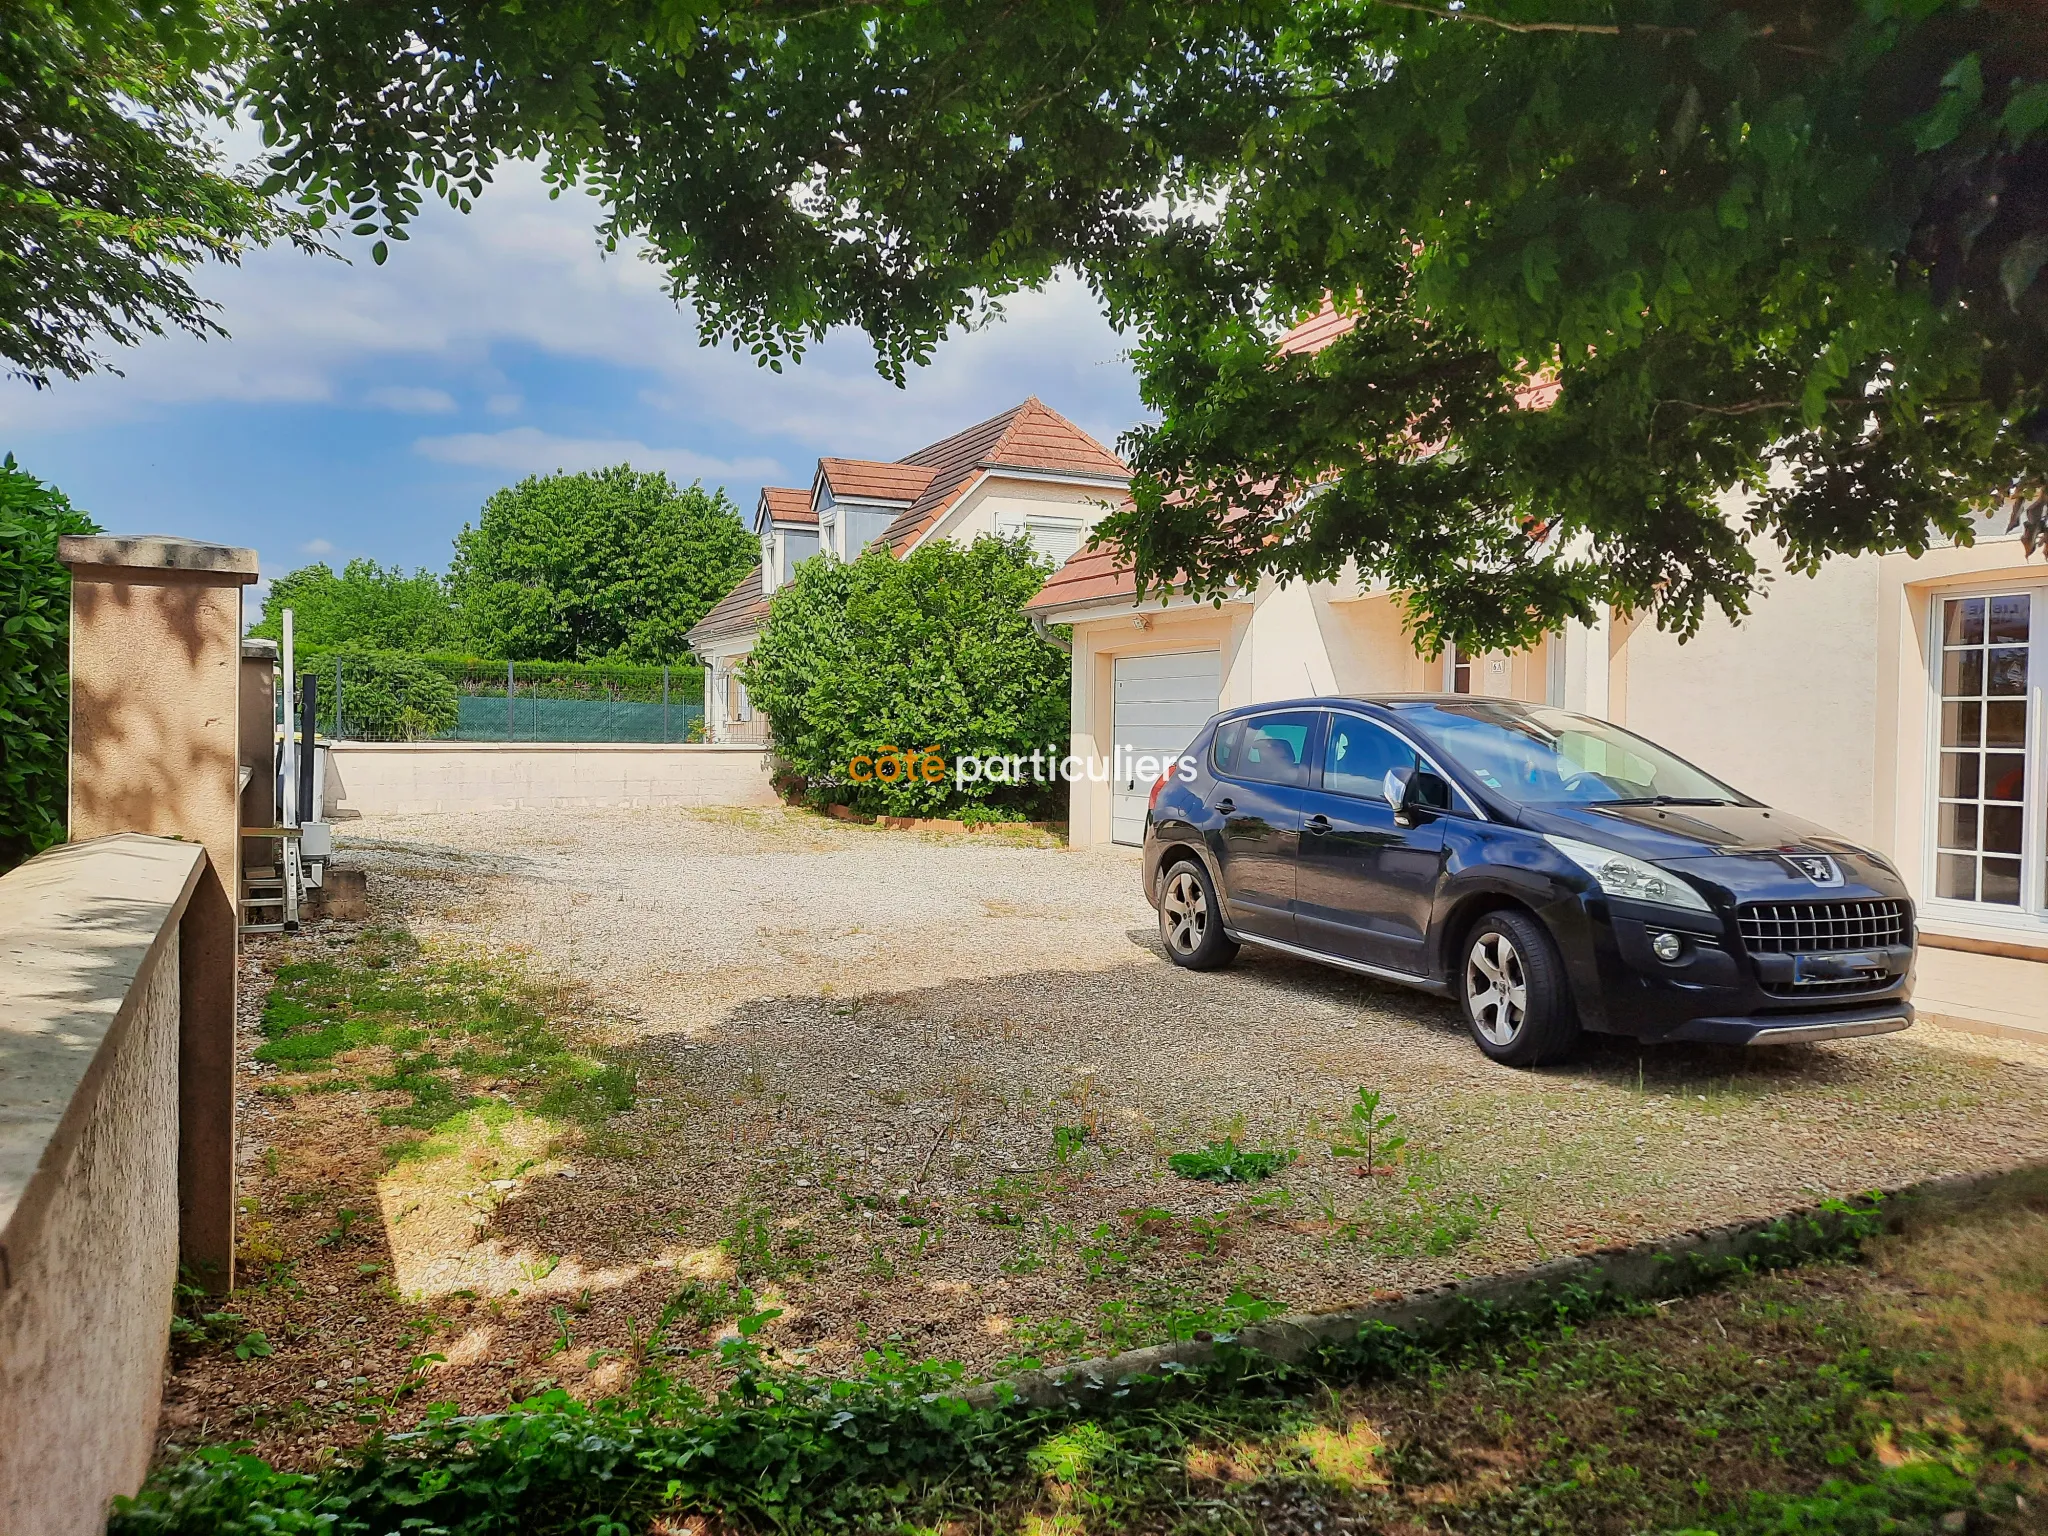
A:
{"x":1028,"y":472}
{"x":1898,"y":700}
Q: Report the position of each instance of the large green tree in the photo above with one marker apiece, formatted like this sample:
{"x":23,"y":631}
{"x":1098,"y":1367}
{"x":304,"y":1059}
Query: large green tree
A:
{"x":1790,"y":250}
{"x":366,"y":604}
{"x":609,"y":563}
{"x":35,"y":683}
{"x":112,"y":184}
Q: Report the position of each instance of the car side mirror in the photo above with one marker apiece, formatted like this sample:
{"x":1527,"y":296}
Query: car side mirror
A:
{"x":1395,"y":787}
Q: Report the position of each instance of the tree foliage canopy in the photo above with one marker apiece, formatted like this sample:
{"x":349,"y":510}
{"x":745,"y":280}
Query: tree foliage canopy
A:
{"x":608,"y":563}
{"x":111,"y":182}
{"x":930,"y":651}
{"x":35,"y":662}
{"x":1793,"y":250}
{"x":367,"y":604}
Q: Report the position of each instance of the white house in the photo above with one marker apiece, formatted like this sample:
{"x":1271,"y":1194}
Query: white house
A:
{"x":1028,"y":472}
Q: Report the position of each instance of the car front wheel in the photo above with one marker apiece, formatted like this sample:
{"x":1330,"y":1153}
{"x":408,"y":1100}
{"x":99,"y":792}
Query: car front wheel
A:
{"x":1511,"y":982}
{"x":1191,"y":920}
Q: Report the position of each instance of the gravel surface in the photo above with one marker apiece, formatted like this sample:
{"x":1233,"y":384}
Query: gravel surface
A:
{"x":860,"y":1046}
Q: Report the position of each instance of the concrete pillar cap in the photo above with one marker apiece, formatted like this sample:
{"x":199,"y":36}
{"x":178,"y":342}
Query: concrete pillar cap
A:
{"x":158,"y":552}
{"x":258,"y":650}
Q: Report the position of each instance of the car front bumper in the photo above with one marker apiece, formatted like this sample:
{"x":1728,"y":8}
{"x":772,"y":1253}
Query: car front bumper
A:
{"x":1798,"y":1028}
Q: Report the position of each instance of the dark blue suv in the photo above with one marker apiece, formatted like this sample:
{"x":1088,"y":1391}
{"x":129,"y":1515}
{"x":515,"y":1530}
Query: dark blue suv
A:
{"x":1552,"y":872}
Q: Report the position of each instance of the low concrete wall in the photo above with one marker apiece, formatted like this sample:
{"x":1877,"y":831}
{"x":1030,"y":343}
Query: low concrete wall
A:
{"x":369,"y":778}
{"x":90,"y":1015}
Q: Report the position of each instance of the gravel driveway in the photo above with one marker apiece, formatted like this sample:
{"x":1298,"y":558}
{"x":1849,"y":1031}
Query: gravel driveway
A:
{"x":922,"y":1091}
{"x":872,"y":1040}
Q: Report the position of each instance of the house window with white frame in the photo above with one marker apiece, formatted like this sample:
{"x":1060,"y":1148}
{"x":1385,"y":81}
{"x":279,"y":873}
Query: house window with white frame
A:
{"x":1990,"y":665}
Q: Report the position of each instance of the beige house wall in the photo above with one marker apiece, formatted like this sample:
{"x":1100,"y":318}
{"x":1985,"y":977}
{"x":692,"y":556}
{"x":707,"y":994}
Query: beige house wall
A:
{"x":422,"y":777}
{"x":1783,"y":707}
{"x":998,"y":496}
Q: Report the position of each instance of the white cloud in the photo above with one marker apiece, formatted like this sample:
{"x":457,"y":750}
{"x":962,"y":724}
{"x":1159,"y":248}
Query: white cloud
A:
{"x":522,"y":274}
{"x":529,"y":450}
{"x":410,"y":400}
{"x":316,"y":547}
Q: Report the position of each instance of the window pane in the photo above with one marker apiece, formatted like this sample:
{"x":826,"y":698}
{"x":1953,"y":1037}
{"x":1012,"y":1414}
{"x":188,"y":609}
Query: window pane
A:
{"x":1963,"y":621}
{"x":1962,"y":725}
{"x":2006,"y":723}
{"x":2005,"y":776}
{"x":2009,"y":620}
{"x":2002,"y":829}
{"x":2008,"y":674}
{"x":1359,"y":756}
{"x":1959,"y":775}
{"x":1962,"y":674}
{"x":1955,"y":877}
{"x":1229,"y":736}
{"x":1273,"y":746}
{"x":1957,"y":827}
{"x":2002,"y":882}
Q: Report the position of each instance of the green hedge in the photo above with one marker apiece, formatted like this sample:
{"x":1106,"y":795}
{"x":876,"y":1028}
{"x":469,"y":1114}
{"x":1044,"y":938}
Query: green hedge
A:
{"x":35,"y":688}
{"x":933,"y":651}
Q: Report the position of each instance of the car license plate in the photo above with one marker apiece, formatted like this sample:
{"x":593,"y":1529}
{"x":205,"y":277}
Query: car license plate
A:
{"x":1842,"y":967}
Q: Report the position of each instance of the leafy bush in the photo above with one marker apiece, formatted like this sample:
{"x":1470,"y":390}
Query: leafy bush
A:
{"x":933,"y":651}
{"x":607,"y":563}
{"x":35,"y":690}
{"x":390,"y":696}
{"x":366,"y":605}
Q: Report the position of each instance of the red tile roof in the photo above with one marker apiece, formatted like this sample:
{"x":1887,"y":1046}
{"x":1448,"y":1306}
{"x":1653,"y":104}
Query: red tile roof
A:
{"x":741,"y":609}
{"x":1027,"y":436}
{"x":787,"y":504}
{"x":1030,"y":436}
{"x":875,"y":479}
{"x":1316,"y":332}
{"x":1090,"y":576}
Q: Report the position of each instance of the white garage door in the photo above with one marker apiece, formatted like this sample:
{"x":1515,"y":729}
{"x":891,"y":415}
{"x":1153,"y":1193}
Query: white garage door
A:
{"x":1161,"y":702}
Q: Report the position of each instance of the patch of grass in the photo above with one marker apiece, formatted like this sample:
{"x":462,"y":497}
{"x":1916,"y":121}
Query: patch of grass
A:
{"x":1225,"y":1162}
{"x":1793,"y":1401}
{"x":447,"y":1025}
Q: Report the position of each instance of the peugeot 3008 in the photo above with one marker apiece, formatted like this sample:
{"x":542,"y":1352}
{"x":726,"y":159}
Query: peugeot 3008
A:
{"x":1551,"y":872}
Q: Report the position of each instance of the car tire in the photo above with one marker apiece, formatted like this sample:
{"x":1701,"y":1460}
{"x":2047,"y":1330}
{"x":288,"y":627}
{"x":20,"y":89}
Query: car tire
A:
{"x":1511,"y":985}
{"x":1191,"y":919}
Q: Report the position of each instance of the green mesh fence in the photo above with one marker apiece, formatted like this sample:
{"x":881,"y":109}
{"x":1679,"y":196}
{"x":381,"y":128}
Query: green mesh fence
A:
{"x":519,"y":701}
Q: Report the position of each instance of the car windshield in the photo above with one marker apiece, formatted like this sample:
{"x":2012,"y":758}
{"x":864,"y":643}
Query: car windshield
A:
{"x":1534,"y":755}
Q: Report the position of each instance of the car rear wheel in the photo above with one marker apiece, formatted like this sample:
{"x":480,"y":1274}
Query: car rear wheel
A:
{"x":1191,"y":920}
{"x":1511,"y":983}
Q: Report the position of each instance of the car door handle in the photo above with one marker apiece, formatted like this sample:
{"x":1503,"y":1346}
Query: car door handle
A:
{"x":1225,"y":806}
{"x":1316,"y":825}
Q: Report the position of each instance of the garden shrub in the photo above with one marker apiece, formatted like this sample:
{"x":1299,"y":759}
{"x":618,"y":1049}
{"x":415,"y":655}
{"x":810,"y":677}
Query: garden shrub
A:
{"x":932,"y":653}
{"x":387,"y":695}
{"x":35,"y":688}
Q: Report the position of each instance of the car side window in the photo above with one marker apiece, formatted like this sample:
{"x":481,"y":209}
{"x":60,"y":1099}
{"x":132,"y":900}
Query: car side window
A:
{"x":1266,"y":749}
{"x":1359,"y":755}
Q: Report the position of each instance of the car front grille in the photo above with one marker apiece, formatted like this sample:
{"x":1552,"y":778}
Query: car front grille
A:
{"x":1816,"y":927}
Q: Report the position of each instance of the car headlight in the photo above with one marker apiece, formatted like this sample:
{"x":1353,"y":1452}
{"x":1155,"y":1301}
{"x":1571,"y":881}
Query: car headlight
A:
{"x":1619,"y":875}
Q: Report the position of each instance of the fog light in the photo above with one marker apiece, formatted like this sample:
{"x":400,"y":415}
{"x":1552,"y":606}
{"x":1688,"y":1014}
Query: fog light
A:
{"x":1666,"y":946}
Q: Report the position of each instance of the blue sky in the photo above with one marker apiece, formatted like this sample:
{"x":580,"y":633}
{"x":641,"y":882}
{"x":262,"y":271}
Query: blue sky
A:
{"x":363,"y":410}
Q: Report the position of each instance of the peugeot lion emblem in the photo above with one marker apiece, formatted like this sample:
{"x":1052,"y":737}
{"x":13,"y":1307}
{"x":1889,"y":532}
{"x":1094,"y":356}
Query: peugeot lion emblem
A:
{"x":1817,"y":867}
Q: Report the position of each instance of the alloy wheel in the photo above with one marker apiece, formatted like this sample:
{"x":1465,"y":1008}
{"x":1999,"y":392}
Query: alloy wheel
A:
{"x":1497,"y":988}
{"x":1186,"y":910}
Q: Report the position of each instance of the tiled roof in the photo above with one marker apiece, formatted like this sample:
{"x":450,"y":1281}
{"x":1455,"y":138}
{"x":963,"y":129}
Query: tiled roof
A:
{"x":1091,"y":575}
{"x":741,"y":609}
{"x":1027,"y":436}
{"x":875,"y":480}
{"x":1316,"y":332}
{"x":787,"y":504}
